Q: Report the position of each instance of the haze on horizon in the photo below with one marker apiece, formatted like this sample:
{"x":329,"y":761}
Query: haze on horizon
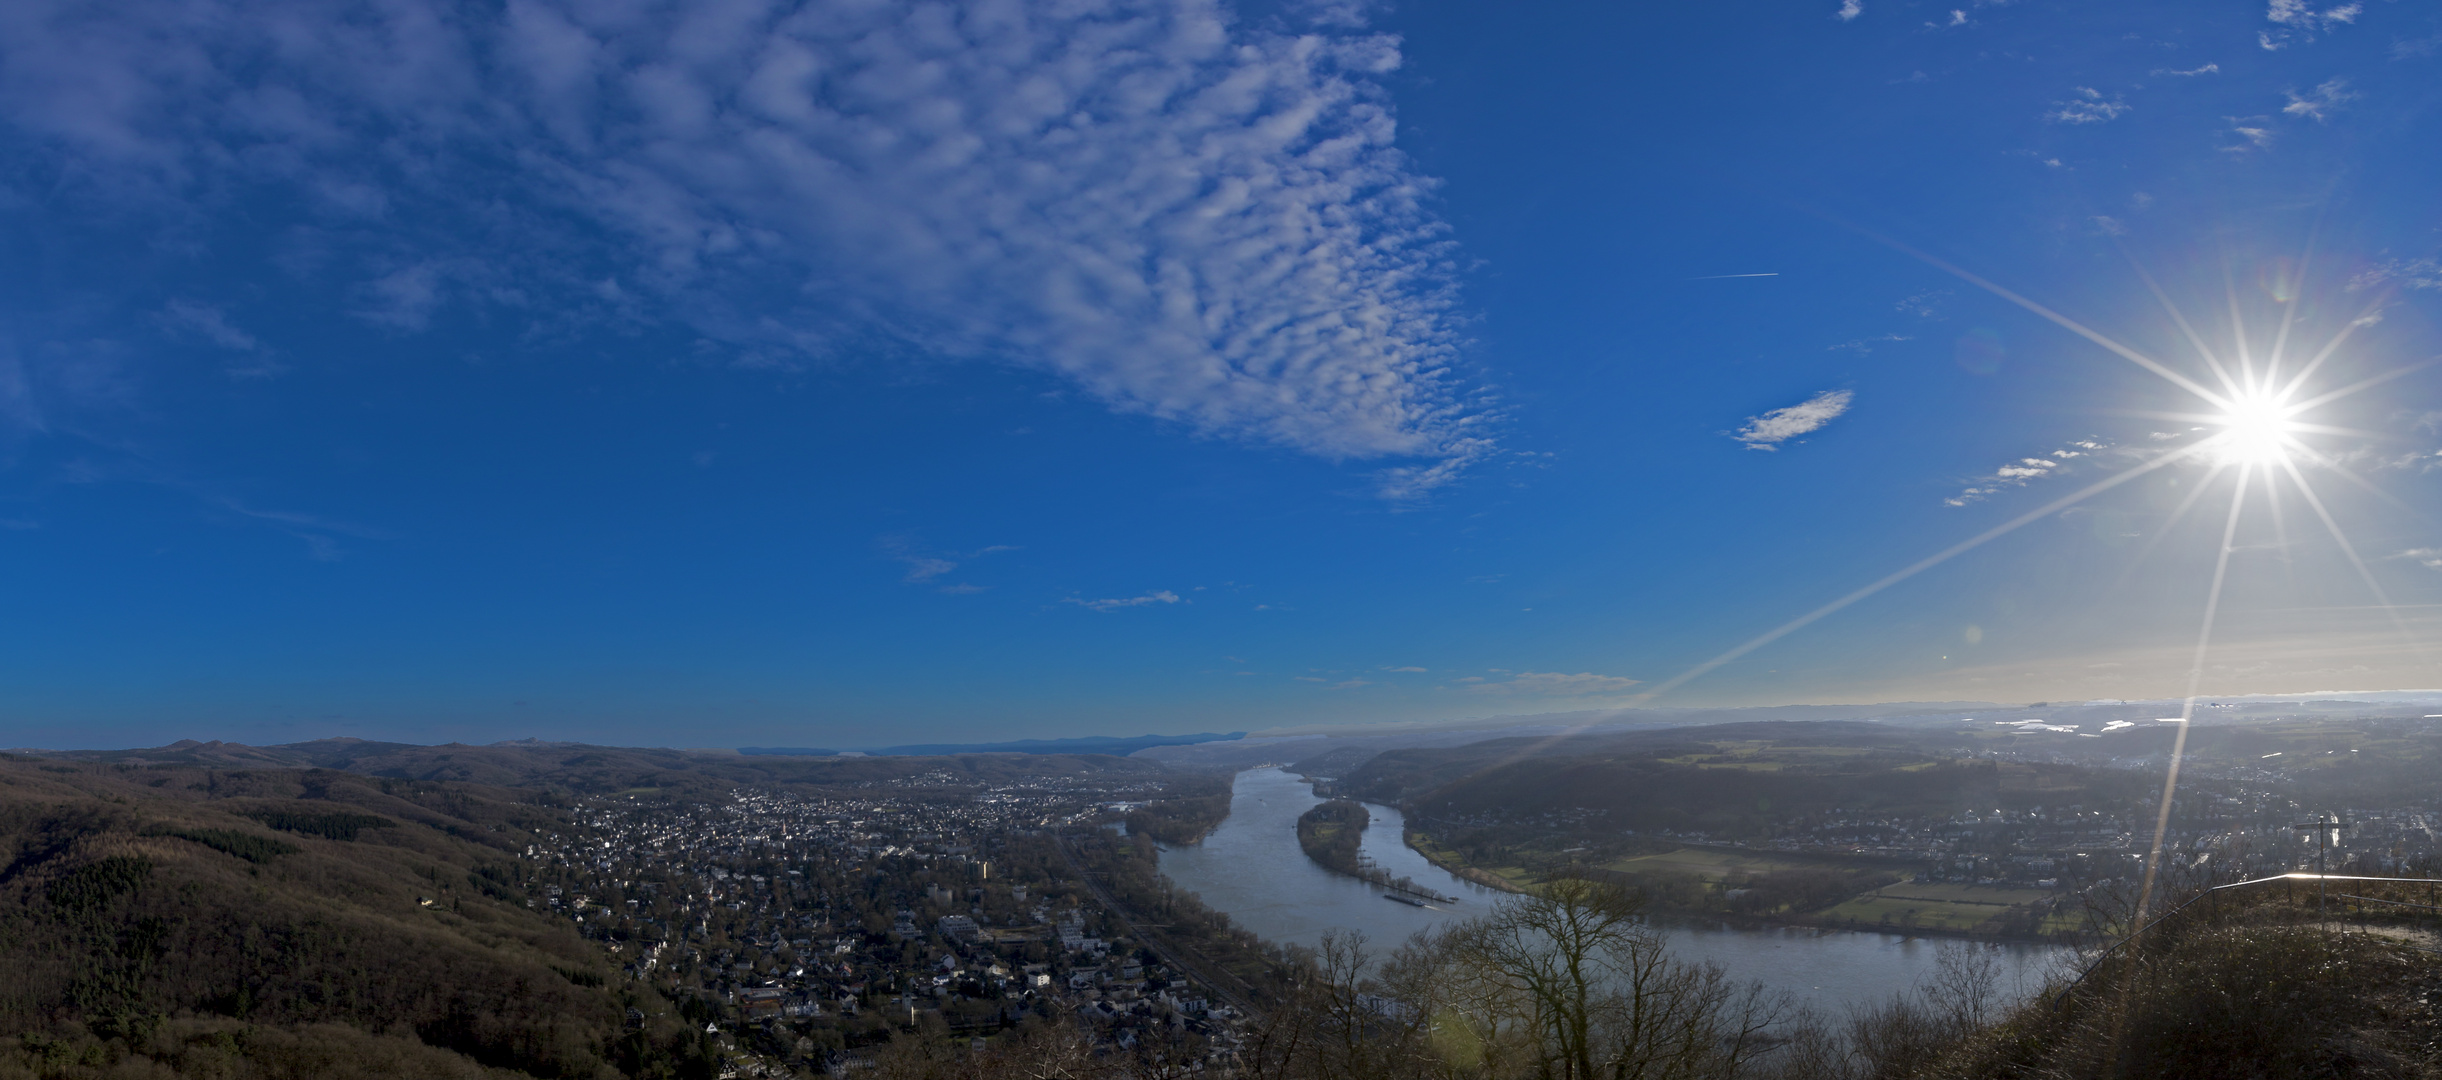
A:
{"x":824,"y":374}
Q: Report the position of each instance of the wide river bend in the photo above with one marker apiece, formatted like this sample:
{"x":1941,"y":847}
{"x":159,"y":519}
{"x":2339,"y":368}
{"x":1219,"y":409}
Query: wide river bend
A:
{"x":1251,"y":868}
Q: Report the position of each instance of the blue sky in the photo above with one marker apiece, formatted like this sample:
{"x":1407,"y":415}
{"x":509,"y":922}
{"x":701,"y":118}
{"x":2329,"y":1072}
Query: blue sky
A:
{"x":849,"y":374}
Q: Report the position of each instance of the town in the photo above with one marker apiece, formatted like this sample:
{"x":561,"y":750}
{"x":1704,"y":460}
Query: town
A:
{"x":802,"y":928}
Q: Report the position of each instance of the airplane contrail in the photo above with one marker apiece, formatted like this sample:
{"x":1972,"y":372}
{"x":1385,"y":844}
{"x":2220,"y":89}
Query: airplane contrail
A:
{"x":1717,"y":277}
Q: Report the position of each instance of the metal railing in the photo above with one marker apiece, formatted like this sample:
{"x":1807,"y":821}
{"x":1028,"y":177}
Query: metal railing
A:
{"x":2213,"y":893}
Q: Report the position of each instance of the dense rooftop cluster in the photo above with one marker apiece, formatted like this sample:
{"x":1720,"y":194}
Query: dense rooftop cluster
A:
{"x":803,"y":927}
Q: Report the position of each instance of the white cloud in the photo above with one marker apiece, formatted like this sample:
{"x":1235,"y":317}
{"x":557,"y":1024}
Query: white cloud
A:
{"x":1769,"y":431}
{"x":1411,"y":670}
{"x":2252,"y":129}
{"x":2320,"y":101}
{"x":2207,"y":69}
{"x":2429,"y":558}
{"x":1922,"y":304}
{"x":1549,"y":684}
{"x":2298,"y":22}
{"x":1190,"y":218}
{"x":1158,"y":596}
{"x":1864,"y":346}
{"x":2088,"y":107}
{"x":2024,"y":471}
{"x":1849,"y":10}
{"x":2302,"y":15}
{"x":2409,"y":273}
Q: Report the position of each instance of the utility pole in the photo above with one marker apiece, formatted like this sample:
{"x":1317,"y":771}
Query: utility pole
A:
{"x":2324,"y":827}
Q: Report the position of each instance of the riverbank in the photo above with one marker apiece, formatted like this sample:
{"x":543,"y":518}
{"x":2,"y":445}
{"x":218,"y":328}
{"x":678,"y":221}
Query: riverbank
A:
{"x":1251,"y":869}
{"x":1950,"y":912}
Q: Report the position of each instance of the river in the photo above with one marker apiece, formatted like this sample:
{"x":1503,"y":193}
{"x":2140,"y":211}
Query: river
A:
{"x":1252,"y":869}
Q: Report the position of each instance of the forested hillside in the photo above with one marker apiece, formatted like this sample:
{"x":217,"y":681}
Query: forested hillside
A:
{"x":208,"y":922}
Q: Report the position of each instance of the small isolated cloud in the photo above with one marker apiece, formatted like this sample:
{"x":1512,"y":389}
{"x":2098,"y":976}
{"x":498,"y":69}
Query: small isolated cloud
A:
{"x":2027,"y":470}
{"x":925,"y":566}
{"x":2319,"y":102}
{"x":1769,"y":431}
{"x":2253,"y":130}
{"x":1922,"y":304}
{"x":2208,"y":69}
{"x":1849,"y":10}
{"x":1863,"y":346}
{"x":2429,"y":558}
{"x":2088,"y":107}
{"x":1158,"y":596}
{"x":1410,"y":670}
{"x":1548,"y":684}
{"x":962,"y":589}
{"x":2416,"y":47}
{"x":2110,"y":226}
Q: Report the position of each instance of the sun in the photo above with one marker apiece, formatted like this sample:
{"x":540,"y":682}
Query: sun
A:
{"x":2255,"y":430}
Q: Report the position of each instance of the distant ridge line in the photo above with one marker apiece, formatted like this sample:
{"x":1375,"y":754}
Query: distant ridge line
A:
{"x":1121,"y":745}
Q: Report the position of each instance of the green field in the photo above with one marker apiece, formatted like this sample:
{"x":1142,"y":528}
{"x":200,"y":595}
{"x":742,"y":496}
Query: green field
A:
{"x":1705,"y":863}
{"x":1933,"y":906}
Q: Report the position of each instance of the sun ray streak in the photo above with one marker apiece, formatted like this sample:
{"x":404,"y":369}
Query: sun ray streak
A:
{"x":2196,"y":675}
{"x":1768,"y":637}
{"x":2238,"y":334}
{"x":2177,"y":513}
{"x":2057,"y":319}
{"x":2364,"y":384}
{"x":2212,"y":362}
{"x":2338,"y":339}
{"x":1920,"y":566}
{"x":2364,"y":573}
{"x":2289,"y":318}
{"x":2332,"y":463}
{"x":2280,"y":522}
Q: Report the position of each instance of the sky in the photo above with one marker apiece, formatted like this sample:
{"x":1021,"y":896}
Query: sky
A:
{"x":843,"y":373}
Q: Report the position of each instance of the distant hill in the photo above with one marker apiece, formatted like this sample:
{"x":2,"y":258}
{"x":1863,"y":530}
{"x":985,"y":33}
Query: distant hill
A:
{"x":591,"y":769}
{"x":1116,"y":745}
{"x":1727,"y":778}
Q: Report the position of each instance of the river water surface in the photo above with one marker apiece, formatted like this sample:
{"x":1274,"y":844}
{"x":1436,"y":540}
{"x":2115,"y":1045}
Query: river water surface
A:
{"x":1252,"y":869}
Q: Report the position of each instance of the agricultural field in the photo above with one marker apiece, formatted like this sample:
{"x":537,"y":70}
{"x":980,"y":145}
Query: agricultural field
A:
{"x":1933,"y":906}
{"x":1708,"y":864}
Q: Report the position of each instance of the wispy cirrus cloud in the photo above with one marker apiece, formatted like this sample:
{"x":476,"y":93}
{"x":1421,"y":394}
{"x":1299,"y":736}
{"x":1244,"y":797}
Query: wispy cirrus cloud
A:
{"x":2407,"y":273}
{"x":1769,"y":431}
{"x":1188,"y":217}
{"x":2027,"y":470}
{"x":1156,"y":597}
{"x":2320,"y":102}
{"x":925,"y":567}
